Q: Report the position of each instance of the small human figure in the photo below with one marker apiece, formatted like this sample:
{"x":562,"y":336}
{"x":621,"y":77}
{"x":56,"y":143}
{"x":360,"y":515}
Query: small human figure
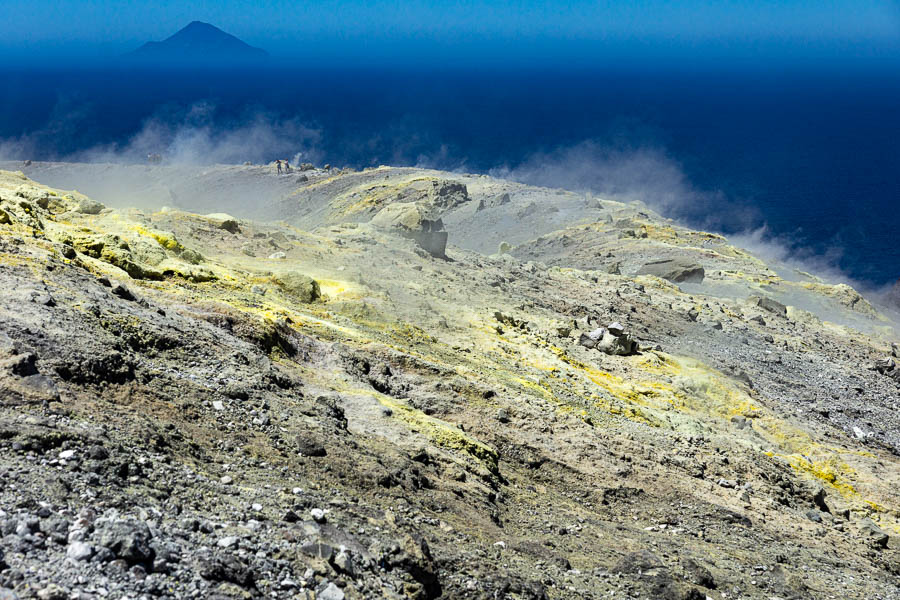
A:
{"x":278,"y":166}
{"x":287,"y":167}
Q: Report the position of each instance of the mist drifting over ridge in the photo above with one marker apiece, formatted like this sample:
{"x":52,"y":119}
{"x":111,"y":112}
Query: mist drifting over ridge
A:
{"x":729,"y":151}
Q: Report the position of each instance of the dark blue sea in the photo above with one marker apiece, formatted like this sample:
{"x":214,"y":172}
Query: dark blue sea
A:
{"x":812,"y":155}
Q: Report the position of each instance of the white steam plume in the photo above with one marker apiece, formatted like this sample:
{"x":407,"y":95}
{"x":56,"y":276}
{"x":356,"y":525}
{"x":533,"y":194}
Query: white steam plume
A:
{"x":196,"y":137}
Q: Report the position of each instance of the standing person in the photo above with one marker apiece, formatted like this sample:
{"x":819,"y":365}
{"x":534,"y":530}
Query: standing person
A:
{"x":287,"y":167}
{"x":278,"y":166}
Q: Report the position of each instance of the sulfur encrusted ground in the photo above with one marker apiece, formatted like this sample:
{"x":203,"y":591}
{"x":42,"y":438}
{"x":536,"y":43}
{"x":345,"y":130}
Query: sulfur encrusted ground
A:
{"x":198,"y":405}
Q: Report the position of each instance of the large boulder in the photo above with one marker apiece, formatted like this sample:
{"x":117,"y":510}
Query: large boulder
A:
{"x":116,"y":251}
{"x":411,"y":555}
{"x":876,"y":536}
{"x":888,"y":366}
{"x":612,"y":340}
{"x":151,"y":254}
{"x":305,"y":288}
{"x":436,"y":196}
{"x":53,"y":202}
{"x":493,"y":202}
{"x":86,"y":205}
{"x":413,"y":221}
{"x":590,"y":339}
{"x":405,"y":216}
{"x":227,"y":568}
{"x":417,"y":212}
{"x":224,"y":221}
{"x":445,"y":195}
{"x":768,"y":304}
{"x":127,"y":539}
{"x":617,"y":345}
{"x":676,"y":270}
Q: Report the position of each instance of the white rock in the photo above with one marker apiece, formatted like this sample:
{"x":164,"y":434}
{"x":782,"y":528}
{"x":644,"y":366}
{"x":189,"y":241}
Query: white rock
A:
{"x":597,"y":334}
{"x":66,"y":454}
{"x":79,"y":551}
{"x":616,"y":328}
{"x":278,"y":256}
{"x":226,"y":479}
{"x":256,"y":506}
{"x":859,"y":433}
{"x":77,"y":534}
{"x":218,"y":405}
{"x":331,"y":592}
{"x":297,"y":491}
{"x":227,"y":542}
{"x":318,"y":515}
{"x":253,"y":525}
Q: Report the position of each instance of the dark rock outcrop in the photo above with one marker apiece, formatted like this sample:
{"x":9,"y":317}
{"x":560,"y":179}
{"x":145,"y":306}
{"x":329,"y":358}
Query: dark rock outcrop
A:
{"x":676,"y":270}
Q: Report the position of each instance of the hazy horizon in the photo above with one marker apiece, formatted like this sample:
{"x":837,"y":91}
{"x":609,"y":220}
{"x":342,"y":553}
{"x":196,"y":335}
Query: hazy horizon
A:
{"x":469,"y":33}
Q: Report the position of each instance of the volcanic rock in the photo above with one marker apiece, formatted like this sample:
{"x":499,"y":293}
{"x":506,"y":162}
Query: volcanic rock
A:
{"x":409,"y":427}
{"x":675,"y":270}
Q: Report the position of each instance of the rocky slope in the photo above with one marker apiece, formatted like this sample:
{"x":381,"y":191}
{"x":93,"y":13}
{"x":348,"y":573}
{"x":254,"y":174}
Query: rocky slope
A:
{"x":400,"y":383}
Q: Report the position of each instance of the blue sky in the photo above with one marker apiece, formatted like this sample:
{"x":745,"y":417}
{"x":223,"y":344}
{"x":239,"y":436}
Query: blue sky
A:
{"x":468,"y":29}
